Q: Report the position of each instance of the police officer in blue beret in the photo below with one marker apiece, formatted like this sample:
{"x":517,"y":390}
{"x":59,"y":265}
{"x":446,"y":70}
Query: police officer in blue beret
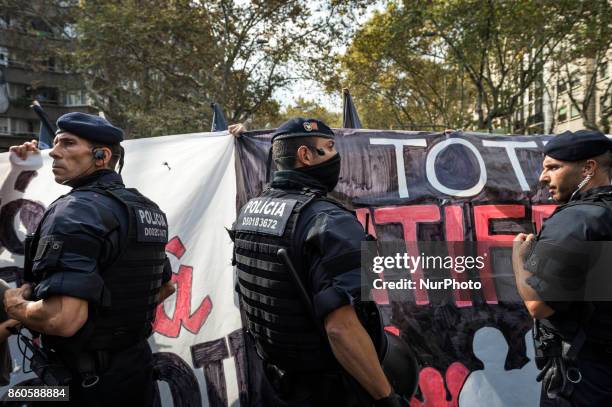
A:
{"x":572,"y":332}
{"x":98,"y":268}
{"x":306,"y":343}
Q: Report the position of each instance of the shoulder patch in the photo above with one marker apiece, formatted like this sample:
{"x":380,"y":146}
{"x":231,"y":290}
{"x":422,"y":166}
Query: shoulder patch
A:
{"x":265,"y":215}
{"x":151,"y":225}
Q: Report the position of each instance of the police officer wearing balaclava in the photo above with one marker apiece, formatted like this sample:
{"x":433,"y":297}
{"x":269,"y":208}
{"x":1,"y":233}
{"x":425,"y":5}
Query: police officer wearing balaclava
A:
{"x":307,"y":344}
{"x":98,"y":269}
{"x":556,"y":271}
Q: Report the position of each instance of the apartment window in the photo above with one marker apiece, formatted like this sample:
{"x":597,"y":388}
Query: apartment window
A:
{"x":539,"y":104}
{"x":44,"y":95}
{"x":605,"y":102}
{"x":535,"y":113}
{"x":574,"y":112}
{"x":21,"y":126}
{"x":16,"y":90}
{"x":603,"y":70}
{"x":4,"y":56}
{"x":75,"y":98}
{"x":561,"y":87}
{"x":537,"y":129}
{"x":562,"y":114}
{"x":4,"y":125}
{"x":574,"y":79}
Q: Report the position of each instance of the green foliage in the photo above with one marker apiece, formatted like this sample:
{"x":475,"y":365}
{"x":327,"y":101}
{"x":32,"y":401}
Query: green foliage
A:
{"x":33,"y":32}
{"x":583,"y":58}
{"x":155,"y":65}
{"x":453,"y":63}
{"x":394,"y":85}
{"x":301,"y":107}
{"x":311,"y":109}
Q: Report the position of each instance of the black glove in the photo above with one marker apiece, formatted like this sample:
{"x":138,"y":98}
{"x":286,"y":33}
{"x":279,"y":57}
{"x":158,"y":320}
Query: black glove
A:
{"x":392,"y":400}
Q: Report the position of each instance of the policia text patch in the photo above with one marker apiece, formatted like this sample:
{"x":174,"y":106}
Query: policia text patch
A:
{"x":265,"y":215}
{"x":151,"y":225}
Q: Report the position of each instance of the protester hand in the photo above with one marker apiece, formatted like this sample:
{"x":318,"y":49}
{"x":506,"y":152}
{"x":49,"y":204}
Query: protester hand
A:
{"x":15,"y":296}
{"x":522,"y":243}
{"x":4,"y":332}
{"x":27,"y":147}
{"x":236,"y":129}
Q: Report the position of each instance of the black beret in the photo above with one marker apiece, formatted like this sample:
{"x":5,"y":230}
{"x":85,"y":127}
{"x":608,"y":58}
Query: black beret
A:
{"x":577,"y":146}
{"x":89,"y":127}
{"x":300,"y":127}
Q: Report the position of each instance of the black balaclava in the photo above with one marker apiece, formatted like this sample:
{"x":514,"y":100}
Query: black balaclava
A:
{"x":327,"y":172}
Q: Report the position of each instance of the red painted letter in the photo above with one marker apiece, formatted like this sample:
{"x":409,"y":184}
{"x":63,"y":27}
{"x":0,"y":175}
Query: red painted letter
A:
{"x":408,"y":217}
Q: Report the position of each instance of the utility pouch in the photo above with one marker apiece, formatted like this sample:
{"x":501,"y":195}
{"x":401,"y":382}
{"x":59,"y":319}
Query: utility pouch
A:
{"x":557,"y":362}
{"x":546,"y":344}
{"x":47,"y":366}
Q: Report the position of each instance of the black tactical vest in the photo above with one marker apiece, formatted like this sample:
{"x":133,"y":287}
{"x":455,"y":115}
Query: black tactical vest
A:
{"x":284,"y":329}
{"x":598,"y":313}
{"x":131,"y":283}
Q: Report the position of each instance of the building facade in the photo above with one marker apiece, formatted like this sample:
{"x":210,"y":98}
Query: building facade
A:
{"x":575,"y":100}
{"x":30,"y":70}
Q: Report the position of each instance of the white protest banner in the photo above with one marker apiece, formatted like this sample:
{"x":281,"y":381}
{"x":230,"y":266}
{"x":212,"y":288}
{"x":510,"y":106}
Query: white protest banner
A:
{"x":192,"y":178}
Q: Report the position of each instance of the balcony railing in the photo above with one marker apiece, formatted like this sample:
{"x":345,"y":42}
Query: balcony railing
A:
{"x":18,"y":64}
{"x":536,"y":118}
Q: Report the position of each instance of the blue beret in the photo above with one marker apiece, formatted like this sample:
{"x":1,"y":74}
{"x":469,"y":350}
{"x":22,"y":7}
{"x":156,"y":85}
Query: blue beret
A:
{"x":300,"y":127}
{"x":577,"y":146}
{"x":89,"y":127}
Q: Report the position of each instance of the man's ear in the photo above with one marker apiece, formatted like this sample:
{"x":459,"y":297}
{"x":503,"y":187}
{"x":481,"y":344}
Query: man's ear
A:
{"x":590,"y":166}
{"x":304,"y":155}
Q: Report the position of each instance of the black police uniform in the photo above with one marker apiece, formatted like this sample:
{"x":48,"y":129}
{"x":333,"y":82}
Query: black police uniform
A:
{"x":104,"y":244}
{"x":323,"y":240}
{"x":561,"y":263}
{"x":91,"y":247}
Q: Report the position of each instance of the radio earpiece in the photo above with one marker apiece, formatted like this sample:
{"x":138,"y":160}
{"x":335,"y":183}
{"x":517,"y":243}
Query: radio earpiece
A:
{"x":582,"y":184}
{"x":98,"y":154}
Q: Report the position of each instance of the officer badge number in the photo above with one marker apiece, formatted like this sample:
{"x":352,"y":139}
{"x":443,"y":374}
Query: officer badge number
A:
{"x":310,"y":126}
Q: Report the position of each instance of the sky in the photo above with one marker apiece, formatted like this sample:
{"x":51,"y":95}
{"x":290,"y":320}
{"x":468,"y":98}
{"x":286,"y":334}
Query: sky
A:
{"x":311,"y":90}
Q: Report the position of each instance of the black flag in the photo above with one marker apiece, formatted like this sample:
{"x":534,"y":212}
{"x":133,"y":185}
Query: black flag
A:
{"x":218,"y":120}
{"x":350,"y":118}
{"x":47,"y":129}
